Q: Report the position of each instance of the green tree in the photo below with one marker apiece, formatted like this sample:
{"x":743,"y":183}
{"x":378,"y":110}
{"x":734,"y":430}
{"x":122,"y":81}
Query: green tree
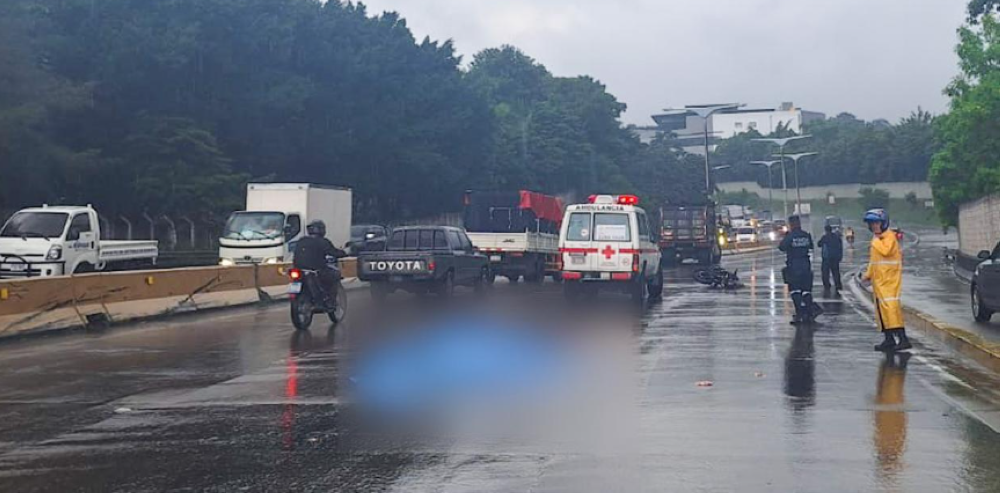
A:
{"x":968,"y":165}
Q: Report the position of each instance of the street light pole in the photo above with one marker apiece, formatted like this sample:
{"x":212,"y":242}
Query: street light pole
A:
{"x":798,"y":190}
{"x":781,"y":143}
{"x":705,"y":112}
{"x":770,"y":183}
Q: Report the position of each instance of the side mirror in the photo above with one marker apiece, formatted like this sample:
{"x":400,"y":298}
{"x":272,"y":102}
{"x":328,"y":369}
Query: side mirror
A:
{"x":984,"y":255}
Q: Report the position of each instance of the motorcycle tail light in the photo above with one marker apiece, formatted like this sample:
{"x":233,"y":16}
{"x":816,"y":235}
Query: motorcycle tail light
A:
{"x":295,"y":274}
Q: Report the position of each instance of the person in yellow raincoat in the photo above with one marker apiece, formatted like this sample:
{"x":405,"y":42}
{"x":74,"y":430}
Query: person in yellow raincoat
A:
{"x":885,"y":272}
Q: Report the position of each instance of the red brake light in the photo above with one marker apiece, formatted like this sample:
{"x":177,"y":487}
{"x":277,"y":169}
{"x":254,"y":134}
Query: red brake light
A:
{"x":628,"y":200}
{"x":295,"y":274}
{"x":431,"y":266}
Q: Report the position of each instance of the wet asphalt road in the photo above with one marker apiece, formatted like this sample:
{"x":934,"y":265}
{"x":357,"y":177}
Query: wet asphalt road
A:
{"x":236,"y":401}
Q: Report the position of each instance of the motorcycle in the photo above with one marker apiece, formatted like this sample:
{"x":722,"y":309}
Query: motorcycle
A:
{"x":306,"y":292}
{"x":717,"y":277}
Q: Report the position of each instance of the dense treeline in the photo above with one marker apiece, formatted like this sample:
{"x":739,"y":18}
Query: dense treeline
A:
{"x":172,"y":106}
{"x":850,"y":151}
{"x":968,"y":164}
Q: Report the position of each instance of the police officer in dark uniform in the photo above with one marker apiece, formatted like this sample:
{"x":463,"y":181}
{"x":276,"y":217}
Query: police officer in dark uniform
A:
{"x":797,"y":246}
{"x":311,"y":253}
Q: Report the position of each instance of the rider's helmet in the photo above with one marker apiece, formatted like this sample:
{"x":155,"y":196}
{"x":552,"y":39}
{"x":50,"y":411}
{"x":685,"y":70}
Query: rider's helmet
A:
{"x":316,"y":228}
{"x":878,"y":216}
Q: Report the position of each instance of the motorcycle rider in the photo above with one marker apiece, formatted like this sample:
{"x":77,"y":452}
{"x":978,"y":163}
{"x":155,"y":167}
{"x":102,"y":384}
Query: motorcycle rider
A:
{"x":311,"y":253}
{"x":885,"y":272}
{"x":797,"y":246}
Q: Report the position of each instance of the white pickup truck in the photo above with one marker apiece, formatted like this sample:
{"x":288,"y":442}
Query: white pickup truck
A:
{"x":54,"y":241}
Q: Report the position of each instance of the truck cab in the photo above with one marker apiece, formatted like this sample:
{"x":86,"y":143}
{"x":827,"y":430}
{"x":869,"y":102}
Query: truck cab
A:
{"x":54,"y":241}
{"x":608,"y":244}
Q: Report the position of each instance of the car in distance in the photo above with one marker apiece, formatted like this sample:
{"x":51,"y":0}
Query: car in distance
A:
{"x":985,"y":288}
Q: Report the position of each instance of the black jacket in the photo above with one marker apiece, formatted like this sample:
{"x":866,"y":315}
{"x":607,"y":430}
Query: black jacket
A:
{"x":832,"y":246}
{"x":311,"y":253}
{"x":797,"y":246}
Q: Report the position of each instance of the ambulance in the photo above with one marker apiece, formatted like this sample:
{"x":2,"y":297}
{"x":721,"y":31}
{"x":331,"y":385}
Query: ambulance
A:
{"x":607,"y":244}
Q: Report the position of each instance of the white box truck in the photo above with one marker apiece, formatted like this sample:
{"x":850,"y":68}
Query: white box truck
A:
{"x":276,"y":217}
{"x":54,"y":241}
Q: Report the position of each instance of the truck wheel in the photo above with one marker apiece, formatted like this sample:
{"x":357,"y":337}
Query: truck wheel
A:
{"x":557,"y":277}
{"x":979,"y":311}
{"x":656,"y":286}
{"x":482,"y":283}
{"x":83,"y":268}
{"x":668,"y":257}
{"x":537,"y":273}
{"x":513,"y":278}
{"x":447,"y":287}
{"x":705,"y":258}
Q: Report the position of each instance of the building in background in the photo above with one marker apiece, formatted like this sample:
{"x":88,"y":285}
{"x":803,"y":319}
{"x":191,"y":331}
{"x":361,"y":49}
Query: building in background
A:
{"x":689,"y":128}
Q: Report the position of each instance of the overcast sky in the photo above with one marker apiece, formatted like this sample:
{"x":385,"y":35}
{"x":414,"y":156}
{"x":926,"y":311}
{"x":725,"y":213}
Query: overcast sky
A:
{"x":873,"y":58}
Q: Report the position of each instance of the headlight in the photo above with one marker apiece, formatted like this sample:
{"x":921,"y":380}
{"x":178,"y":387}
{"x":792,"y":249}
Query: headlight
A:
{"x":227,"y":262}
{"x":55,"y":253}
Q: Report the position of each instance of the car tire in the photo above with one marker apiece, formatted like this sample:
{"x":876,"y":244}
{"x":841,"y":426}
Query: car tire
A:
{"x":513,"y":279}
{"x":979,"y":311}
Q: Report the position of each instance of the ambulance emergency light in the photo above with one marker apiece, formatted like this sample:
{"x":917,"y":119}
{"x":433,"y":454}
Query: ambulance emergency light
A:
{"x":611,"y":199}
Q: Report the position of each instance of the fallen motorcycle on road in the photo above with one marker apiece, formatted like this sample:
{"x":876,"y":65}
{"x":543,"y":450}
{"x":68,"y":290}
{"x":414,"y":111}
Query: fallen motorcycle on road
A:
{"x":718,"y":278}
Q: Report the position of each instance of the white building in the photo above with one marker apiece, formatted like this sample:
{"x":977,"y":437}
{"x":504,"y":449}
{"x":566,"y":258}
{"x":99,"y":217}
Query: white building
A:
{"x":690,"y":128}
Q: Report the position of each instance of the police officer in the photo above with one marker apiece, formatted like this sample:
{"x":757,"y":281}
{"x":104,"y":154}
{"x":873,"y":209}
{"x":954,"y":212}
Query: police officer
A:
{"x":798,"y":246}
{"x":832,"y":248}
{"x":311,"y":253}
{"x":885,"y":273}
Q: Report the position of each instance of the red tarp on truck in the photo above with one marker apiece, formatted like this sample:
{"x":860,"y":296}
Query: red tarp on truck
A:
{"x":545,"y":207}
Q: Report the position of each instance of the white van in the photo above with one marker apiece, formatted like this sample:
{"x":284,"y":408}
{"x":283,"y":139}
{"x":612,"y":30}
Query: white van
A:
{"x":608,"y":244}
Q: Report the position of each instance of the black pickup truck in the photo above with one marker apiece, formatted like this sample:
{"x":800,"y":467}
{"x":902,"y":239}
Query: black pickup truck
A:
{"x":422,"y":259}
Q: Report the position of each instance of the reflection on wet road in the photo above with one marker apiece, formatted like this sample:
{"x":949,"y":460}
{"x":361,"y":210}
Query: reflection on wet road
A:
{"x":706,"y":391}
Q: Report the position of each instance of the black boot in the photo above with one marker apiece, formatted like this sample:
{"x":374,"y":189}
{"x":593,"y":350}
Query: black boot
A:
{"x":904,"y":342}
{"x":800,"y":315}
{"x":889,"y":344}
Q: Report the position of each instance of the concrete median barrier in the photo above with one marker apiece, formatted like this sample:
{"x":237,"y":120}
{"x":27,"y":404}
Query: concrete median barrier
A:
{"x":45,"y":304}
